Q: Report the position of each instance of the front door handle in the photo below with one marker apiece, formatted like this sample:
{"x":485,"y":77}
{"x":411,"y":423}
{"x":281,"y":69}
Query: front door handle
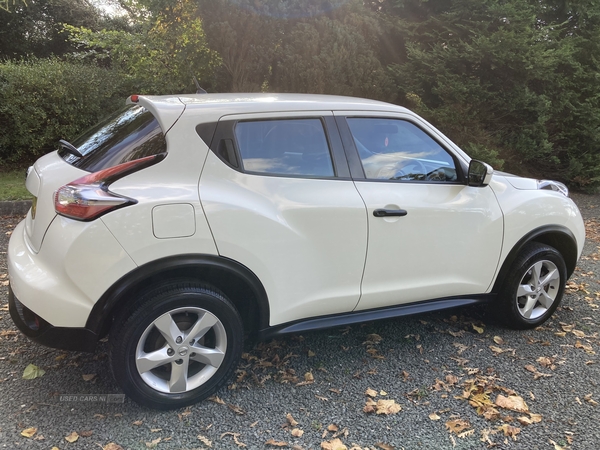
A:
{"x":389,"y":212}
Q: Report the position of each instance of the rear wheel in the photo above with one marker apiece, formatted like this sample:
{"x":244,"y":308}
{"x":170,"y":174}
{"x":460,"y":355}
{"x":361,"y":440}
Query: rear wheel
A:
{"x":533,"y":288}
{"x":176,"y":346}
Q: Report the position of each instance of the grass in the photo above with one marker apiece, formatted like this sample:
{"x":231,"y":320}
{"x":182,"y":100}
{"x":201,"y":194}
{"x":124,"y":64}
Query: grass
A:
{"x":12,"y":186}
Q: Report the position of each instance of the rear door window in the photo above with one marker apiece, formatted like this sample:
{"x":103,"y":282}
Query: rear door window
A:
{"x":129,"y":134}
{"x":285,"y":147}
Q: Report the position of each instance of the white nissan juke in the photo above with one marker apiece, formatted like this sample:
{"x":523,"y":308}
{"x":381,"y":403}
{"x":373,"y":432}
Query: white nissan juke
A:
{"x":180,"y":224}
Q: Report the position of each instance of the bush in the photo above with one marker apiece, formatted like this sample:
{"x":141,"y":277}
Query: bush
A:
{"x":44,"y":100}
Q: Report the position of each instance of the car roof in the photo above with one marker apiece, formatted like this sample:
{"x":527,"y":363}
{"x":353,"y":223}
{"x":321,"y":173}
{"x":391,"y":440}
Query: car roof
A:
{"x":243,"y":103}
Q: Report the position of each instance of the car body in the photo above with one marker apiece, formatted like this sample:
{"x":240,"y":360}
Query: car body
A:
{"x":183,"y":222}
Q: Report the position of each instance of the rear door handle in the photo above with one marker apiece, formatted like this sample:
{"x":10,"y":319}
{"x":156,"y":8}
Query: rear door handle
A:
{"x":389,"y":212}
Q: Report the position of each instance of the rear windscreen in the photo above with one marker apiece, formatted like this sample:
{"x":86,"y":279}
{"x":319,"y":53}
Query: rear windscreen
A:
{"x":131,"y":133}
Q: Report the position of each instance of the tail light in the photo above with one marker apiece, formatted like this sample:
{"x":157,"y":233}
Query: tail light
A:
{"x":88,"y":197}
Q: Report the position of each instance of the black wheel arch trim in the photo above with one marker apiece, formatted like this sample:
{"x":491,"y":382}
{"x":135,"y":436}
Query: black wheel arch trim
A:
{"x":103,"y":308}
{"x":547,"y":234}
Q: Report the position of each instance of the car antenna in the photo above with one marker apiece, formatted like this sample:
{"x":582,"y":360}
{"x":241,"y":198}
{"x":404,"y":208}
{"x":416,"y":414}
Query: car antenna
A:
{"x":199,"y":90}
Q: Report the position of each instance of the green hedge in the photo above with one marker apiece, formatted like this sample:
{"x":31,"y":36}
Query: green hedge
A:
{"x":44,"y":100}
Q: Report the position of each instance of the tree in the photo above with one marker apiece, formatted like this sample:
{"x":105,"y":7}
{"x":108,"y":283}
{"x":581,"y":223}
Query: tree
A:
{"x":333,"y":55}
{"x":159,"y":56}
{"x":505,"y":76}
{"x":35,"y":27}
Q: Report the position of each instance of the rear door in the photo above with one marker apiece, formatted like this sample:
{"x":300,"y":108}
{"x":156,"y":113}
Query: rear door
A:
{"x":279,"y":199}
{"x":430,"y":235}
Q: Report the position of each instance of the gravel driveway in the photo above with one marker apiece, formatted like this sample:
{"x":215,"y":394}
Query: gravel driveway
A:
{"x":459,"y":379}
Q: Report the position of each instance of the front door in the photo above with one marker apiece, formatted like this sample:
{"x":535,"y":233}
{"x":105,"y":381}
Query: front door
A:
{"x":430,"y":235}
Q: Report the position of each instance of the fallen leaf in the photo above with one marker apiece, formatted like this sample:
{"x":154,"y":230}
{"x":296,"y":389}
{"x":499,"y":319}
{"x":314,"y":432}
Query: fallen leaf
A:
{"x":112,"y":446}
{"x":457,"y":425}
{"x":335,"y":444}
{"x":236,"y":409}
{"x":478,"y":329}
{"x":291,"y":420}
{"x":511,"y":431}
{"x":496,"y":350}
{"x":556,"y":446}
{"x":311,"y":354}
{"x":86,"y":433}
{"x":297,"y":432}
{"x":137,"y":423}
{"x":535,"y":418}
{"x":32,"y":371}
{"x":373,"y":339}
{"x":308,"y":376}
{"x":275,"y":443}
{"x":467,"y":433}
{"x":512,"y":402}
{"x":29,"y":432}
{"x":384,"y":446}
{"x":498,"y":340}
{"x":333,"y":428}
{"x":387,"y":407}
{"x":434,"y":416}
{"x":235,"y":438}
{"x":72,"y":437}
{"x":153,"y":443}
{"x":524,"y":420}
{"x":588,"y":348}
{"x":88,"y":377}
{"x":371,"y":392}
{"x":216,"y":399}
{"x":205,"y":440}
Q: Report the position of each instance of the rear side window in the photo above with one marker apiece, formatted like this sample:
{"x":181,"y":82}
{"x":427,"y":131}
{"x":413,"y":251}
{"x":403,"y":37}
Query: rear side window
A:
{"x":129,"y":134}
{"x":285,"y":147}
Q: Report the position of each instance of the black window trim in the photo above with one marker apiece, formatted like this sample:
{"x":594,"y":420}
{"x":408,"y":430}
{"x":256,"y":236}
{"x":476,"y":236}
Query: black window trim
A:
{"x":356,"y":167}
{"x":225,"y":129}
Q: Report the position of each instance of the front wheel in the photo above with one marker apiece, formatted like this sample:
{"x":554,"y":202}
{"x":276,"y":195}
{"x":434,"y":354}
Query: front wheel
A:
{"x":533,"y":288}
{"x":176,"y":346}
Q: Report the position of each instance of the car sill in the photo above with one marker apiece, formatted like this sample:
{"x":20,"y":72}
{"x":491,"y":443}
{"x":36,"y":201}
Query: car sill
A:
{"x":319,"y":323}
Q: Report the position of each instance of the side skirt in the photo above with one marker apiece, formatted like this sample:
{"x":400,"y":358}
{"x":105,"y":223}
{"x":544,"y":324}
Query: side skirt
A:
{"x":336,"y":320}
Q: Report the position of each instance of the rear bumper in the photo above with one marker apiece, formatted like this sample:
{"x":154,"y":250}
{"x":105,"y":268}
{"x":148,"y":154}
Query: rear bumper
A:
{"x":40,"y":331}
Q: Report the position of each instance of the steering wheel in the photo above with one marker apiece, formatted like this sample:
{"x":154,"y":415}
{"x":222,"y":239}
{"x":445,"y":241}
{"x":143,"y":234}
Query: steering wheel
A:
{"x":413,"y":167}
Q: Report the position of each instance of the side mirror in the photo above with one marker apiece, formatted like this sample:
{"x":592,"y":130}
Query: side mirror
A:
{"x":480,"y":173}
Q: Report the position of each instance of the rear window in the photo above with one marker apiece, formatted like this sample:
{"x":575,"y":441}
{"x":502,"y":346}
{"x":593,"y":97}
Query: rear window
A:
{"x":129,"y":134}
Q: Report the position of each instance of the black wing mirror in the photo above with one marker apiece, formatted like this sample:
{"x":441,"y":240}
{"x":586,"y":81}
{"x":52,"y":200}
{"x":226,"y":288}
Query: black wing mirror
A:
{"x":480,"y":173}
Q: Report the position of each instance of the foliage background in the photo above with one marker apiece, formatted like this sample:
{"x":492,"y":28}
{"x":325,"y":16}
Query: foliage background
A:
{"x":513,"y":82}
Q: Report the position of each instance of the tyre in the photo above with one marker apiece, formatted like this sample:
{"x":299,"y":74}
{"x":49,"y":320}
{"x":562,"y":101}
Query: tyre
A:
{"x":176,"y":346}
{"x":533,"y":287}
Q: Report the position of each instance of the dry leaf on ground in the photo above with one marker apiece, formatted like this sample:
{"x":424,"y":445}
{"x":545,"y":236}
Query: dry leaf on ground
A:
{"x":512,"y":402}
{"x":72,"y":437}
{"x":275,"y":443}
{"x":29,"y":432}
{"x":335,"y":444}
{"x":32,"y":371}
{"x":457,"y":425}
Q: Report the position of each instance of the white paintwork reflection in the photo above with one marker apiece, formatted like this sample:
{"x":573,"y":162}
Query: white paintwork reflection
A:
{"x":305,"y":239}
{"x":50,"y":173}
{"x":173,"y":221}
{"x":78,"y":262}
{"x":527,"y":209}
{"x":448,"y":244}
